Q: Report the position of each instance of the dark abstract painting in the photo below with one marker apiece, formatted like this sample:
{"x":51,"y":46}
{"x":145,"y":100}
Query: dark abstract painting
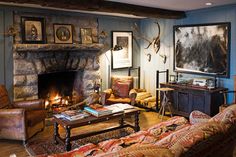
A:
{"x":202,"y":49}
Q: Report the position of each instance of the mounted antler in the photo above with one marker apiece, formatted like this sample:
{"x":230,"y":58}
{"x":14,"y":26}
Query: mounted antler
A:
{"x":139,"y":35}
{"x":157,"y":41}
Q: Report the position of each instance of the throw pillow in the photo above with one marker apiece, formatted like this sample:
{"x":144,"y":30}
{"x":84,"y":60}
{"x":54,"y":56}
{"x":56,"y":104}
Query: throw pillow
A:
{"x":198,"y":117}
{"x":121,"y":89}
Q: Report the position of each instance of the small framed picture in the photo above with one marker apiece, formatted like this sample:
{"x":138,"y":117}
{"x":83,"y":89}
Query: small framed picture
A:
{"x":86,"y":35}
{"x":33,"y":30}
{"x":63,"y":33}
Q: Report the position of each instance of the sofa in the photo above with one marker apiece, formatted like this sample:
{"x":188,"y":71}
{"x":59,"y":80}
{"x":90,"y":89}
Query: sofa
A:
{"x":200,"y":136}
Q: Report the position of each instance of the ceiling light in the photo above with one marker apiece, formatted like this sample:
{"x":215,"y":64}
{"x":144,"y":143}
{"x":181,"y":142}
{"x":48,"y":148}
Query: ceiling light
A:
{"x":208,"y":3}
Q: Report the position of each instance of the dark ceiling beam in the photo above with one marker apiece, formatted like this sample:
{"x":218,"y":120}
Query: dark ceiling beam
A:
{"x":105,"y":6}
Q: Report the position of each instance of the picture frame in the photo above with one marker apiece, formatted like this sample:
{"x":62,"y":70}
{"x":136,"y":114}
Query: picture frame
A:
{"x":63,"y":33}
{"x":122,"y":58}
{"x":202,"y":49}
{"x":33,"y":30}
{"x":86,"y":35}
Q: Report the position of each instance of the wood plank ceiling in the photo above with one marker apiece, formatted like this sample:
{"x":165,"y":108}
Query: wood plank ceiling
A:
{"x":104,"y":6}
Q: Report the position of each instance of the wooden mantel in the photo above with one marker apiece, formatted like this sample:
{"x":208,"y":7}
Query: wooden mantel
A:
{"x":57,"y":47}
{"x":103,"y":6}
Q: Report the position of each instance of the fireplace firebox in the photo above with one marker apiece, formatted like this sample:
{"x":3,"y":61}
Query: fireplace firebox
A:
{"x":58,"y":89}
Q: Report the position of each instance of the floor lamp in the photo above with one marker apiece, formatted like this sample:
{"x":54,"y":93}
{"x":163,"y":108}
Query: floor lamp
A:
{"x":115,"y":48}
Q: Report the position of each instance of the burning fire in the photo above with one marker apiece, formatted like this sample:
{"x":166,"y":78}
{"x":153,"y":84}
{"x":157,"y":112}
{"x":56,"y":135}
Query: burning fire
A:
{"x":57,"y":100}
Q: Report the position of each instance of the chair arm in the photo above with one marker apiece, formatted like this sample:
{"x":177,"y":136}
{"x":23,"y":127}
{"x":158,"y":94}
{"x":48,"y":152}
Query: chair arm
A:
{"x":138,"y":90}
{"x":132,"y":96}
{"x":12,"y":112}
{"x":105,"y":95}
{"x":12,"y":124}
{"x":30,"y":104}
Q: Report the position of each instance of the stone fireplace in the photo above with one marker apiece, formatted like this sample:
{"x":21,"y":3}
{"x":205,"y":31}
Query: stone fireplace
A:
{"x":31,"y":61}
{"x":31,"y":66}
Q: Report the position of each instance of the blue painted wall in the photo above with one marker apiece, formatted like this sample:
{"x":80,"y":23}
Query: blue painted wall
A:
{"x":149,"y":30}
{"x":109,"y":24}
{"x":212,"y":15}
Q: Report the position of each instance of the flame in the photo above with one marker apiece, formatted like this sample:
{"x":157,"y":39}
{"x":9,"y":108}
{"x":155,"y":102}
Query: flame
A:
{"x":47,"y":103}
{"x":56,"y":99}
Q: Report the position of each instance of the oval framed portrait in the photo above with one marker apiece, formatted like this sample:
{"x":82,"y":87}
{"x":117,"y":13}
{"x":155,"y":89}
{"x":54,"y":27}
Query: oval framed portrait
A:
{"x":63,"y":33}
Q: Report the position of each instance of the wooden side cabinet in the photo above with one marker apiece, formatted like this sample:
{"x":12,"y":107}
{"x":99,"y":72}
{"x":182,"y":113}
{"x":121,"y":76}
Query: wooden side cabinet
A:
{"x":187,"y":98}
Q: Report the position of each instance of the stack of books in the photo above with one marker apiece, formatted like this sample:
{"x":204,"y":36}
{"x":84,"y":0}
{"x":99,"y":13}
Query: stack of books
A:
{"x":74,"y":115}
{"x":98,"y":111}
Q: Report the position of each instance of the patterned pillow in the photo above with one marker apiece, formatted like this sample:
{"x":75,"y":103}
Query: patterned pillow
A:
{"x":228,"y":116}
{"x":196,"y":133}
{"x":121,"y":89}
{"x":198,"y":117}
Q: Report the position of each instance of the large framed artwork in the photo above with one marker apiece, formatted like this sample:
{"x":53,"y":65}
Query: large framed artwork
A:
{"x":33,"y":30}
{"x":202,"y":49}
{"x":122,"y":58}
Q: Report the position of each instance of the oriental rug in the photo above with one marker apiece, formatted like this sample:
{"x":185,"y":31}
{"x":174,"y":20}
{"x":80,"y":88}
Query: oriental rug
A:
{"x":47,"y":147}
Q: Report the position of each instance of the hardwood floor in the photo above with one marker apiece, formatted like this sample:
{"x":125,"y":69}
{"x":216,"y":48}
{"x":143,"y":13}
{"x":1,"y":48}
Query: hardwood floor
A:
{"x":11,"y":148}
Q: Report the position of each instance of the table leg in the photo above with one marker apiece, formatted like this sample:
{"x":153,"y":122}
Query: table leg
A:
{"x":136,"y":127}
{"x":56,"y":134}
{"x":68,"y":144}
{"x":121,"y":121}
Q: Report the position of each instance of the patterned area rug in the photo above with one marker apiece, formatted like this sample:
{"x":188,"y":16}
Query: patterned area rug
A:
{"x":48,"y":147}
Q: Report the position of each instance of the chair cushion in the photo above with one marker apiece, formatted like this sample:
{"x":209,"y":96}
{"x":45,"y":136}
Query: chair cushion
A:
{"x":35,"y":116}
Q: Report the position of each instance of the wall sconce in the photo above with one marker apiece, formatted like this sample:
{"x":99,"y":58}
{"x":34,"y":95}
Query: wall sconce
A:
{"x":11,"y":32}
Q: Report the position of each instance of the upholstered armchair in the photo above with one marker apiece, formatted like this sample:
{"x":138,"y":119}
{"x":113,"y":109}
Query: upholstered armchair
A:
{"x":20,"y":120}
{"x":121,"y":91}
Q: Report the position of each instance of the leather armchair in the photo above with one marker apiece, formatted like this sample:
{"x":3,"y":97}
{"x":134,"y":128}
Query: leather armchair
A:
{"x":121,"y":91}
{"x":20,"y":120}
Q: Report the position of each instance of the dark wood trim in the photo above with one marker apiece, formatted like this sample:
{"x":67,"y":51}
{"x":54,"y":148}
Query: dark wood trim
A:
{"x":105,"y":6}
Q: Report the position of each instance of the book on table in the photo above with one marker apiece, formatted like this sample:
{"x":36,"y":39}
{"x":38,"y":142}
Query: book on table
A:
{"x":74,"y":114}
{"x":99,"y":110}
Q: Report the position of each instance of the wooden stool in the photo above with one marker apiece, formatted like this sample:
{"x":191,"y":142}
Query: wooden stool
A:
{"x":165,"y":101}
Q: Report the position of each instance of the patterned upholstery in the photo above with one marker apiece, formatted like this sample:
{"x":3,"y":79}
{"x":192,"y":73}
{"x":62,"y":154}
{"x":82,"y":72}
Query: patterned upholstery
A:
{"x":174,"y":137}
{"x":198,"y":117}
{"x":121,"y":91}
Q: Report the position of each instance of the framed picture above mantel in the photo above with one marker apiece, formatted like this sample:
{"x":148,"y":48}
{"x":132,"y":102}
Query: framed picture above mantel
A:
{"x":122,"y":57}
{"x":33,"y":30}
{"x":202,"y":49}
{"x":63,"y":33}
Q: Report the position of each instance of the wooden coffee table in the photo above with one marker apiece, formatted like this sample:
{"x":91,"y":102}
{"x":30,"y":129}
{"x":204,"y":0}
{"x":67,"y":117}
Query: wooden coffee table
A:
{"x":68,"y":125}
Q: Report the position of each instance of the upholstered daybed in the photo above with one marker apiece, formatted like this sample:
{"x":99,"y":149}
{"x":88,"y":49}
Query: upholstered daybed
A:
{"x":201,"y":136}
